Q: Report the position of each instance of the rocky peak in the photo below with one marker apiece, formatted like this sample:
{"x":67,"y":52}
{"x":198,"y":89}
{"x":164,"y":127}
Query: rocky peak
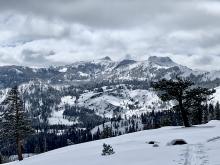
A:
{"x":162,"y":61}
{"x":107,"y":58}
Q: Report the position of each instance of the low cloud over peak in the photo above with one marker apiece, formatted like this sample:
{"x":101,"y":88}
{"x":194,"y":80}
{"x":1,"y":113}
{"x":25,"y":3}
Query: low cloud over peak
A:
{"x":187,"y":31}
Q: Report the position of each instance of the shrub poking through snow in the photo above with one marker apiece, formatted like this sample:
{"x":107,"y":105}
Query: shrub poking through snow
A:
{"x":107,"y":150}
{"x":152,"y":142}
{"x":177,"y":142}
{"x":156,"y":145}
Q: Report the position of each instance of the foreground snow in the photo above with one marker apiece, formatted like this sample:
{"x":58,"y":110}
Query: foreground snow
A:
{"x":203,"y":148}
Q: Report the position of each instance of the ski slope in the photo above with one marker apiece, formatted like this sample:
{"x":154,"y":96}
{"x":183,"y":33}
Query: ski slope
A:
{"x":203,"y":148}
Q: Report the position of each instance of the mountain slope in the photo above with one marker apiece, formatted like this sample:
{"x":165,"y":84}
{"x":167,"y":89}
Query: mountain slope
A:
{"x":101,"y":88}
{"x":203,"y":148}
{"x":103,"y":70}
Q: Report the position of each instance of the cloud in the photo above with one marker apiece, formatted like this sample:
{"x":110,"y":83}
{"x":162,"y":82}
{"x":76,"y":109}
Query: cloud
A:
{"x":31,"y":57}
{"x":98,"y":13}
{"x":204,"y":60}
{"x":187,"y":31}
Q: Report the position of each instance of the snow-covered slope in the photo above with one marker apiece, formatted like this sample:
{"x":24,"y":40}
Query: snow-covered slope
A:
{"x":212,"y":75}
{"x":216,"y":96}
{"x":48,"y":91}
{"x":105,"y":69}
{"x":125,"y":101}
{"x":57,"y":115}
{"x":203,"y":148}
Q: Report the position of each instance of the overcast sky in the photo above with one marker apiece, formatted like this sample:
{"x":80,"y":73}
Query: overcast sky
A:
{"x":57,"y":32}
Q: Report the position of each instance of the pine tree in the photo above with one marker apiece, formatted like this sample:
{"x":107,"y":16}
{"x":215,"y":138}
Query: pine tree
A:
{"x":15,"y":124}
{"x":217,"y":111}
{"x":188,"y":98}
{"x":37,"y":149}
{"x":1,"y":159}
{"x":107,"y":150}
{"x":107,"y":132}
{"x":211,"y":112}
{"x":205,"y":114}
{"x":174,"y":90}
{"x":98,"y":134}
{"x":195,"y":101}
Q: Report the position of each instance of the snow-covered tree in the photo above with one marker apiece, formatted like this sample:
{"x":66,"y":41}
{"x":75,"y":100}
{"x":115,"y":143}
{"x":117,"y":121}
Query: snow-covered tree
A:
{"x":15,"y":123}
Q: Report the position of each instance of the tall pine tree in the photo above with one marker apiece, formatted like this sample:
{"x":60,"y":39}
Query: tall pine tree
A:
{"x":15,"y":123}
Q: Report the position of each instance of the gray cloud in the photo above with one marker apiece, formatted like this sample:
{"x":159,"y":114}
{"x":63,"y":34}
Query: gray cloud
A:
{"x":204,"y":60}
{"x":84,"y":29}
{"x":101,"y":13}
{"x":31,"y":57}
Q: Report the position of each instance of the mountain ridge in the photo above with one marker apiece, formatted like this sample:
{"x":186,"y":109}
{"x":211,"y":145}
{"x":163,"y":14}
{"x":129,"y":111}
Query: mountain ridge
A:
{"x":103,"y":69}
{"x":99,"y":88}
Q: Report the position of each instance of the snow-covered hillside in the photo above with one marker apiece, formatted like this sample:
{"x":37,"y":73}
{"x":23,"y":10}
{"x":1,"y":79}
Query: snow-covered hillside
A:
{"x":57,"y":115}
{"x":108,"y":101}
{"x":216,"y":96}
{"x":124,"y":101}
{"x":103,"y":87}
{"x":105,"y":69}
{"x":203,"y":148}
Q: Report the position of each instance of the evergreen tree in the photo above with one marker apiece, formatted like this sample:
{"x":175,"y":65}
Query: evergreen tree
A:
{"x":1,"y":159}
{"x":211,"y":112}
{"x":174,"y":90}
{"x":205,"y":114}
{"x":195,"y":101}
{"x":97,"y":135}
{"x":15,"y":124}
{"x":107,"y":132}
{"x":107,"y":150}
{"x":217,"y":111}
{"x":181,"y":91}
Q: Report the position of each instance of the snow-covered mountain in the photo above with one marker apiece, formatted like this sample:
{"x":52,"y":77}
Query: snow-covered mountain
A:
{"x":202,"y":148}
{"x":93,"y":89}
{"x":127,"y":70}
{"x":103,"y":70}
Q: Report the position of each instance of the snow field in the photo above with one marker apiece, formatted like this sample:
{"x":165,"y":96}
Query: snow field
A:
{"x":132,"y":149}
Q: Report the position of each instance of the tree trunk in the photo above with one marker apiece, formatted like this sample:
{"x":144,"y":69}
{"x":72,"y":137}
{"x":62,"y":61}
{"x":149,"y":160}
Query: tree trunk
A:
{"x":45,"y":141}
{"x":18,"y":140}
{"x":1,"y":159}
{"x":19,"y":149}
{"x":184,"y":114}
